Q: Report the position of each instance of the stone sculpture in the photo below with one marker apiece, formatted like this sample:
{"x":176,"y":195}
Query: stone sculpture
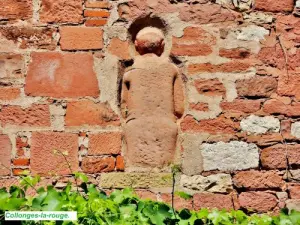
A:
{"x":151,"y":102}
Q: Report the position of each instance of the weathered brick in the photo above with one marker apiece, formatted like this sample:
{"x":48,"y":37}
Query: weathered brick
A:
{"x":21,"y":162}
{"x":145,"y":194}
{"x":35,"y":115}
{"x":206,"y":13}
{"x":31,"y":37}
{"x":15,"y":10}
{"x":105,"y":143}
{"x":275,"y":106}
{"x":235,"y":53}
{"x":5,"y":155}
{"x":54,"y":153}
{"x":275,"y":5}
{"x":119,"y":48}
{"x":179,"y":203}
{"x":95,"y":22}
{"x":11,"y":65}
{"x":294,"y":191}
{"x":212,"y":126}
{"x":256,"y":87}
{"x":80,"y":38}
{"x":255,"y":180}
{"x":209,"y":200}
{"x":275,"y":157}
{"x":19,"y":171}
{"x":120,"y":164}
{"x":86,"y":112}
{"x":9,"y":93}
{"x":96,"y":13}
{"x":289,"y":87}
{"x":98,"y":165}
{"x":264,"y":140}
{"x":211,"y":87}
{"x":257,"y":201}
{"x":61,"y":11}
{"x":98,"y":4}
{"x":230,"y":67}
{"x":241,"y":105}
{"x":8,"y":182}
{"x":61,"y":75}
{"x":194,"y":42}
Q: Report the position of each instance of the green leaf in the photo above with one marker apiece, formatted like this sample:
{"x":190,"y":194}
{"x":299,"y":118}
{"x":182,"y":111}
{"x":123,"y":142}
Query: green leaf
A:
{"x":183,"y":195}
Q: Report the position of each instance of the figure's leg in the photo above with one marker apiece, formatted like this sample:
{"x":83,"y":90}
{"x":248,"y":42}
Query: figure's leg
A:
{"x":150,"y":142}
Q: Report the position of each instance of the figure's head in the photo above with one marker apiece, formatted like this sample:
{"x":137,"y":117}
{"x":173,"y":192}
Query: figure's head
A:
{"x":150,"y":40}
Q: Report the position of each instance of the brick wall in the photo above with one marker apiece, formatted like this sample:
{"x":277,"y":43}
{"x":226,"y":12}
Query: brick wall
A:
{"x":60,"y":66}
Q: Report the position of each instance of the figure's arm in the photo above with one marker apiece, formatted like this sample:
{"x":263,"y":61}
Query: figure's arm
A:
{"x":124,"y":97}
{"x":178,"y":95}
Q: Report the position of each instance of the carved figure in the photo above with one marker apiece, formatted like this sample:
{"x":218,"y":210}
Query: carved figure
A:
{"x":151,"y":101}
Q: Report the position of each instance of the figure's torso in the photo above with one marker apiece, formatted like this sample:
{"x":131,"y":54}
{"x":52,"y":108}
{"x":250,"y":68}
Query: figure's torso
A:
{"x":150,"y":84}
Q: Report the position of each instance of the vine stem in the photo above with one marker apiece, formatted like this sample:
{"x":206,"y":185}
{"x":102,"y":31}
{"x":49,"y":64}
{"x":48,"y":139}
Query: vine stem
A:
{"x":70,"y":168}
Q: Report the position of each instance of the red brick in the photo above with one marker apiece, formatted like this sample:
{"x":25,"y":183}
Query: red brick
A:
{"x":98,"y":4}
{"x":15,"y":10}
{"x":35,"y":115}
{"x":31,"y":37}
{"x":61,"y":75}
{"x":19,"y":172}
{"x":206,"y":13}
{"x":105,"y":143}
{"x":179,"y":203}
{"x":256,"y":87}
{"x":275,"y":106}
{"x":53,"y":153}
{"x":119,"y":48}
{"x":146,"y":195}
{"x":61,"y":11}
{"x":235,"y":53}
{"x":96,"y":13}
{"x":95,"y":23}
{"x":194,"y":42}
{"x":21,"y":142}
{"x":275,"y":5}
{"x":86,"y":112}
{"x":275,"y":157}
{"x":257,"y":201}
{"x":212,"y":126}
{"x":289,"y":86}
{"x":98,"y":165}
{"x":254,"y":180}
{"x":120,"y":164}
{"x":200,"y":106}
{"x":209,"y":200}
{"x":241,"y":105}
{"x":80,"y":38}
{"x":9,"y":93}
{"x":21,"y":162}
{"x":211,"y":87}
{"x":230,"y":67}
{"x":11,"y":65}
{"x":5,"y":155}
{"x":8,"y":182}
{"x":265,"y":140}
{"x":294,"y":191}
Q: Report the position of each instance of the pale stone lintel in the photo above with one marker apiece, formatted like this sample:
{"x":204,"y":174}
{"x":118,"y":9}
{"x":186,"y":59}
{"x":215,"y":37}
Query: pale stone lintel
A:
{"x":260,"y":125}
{"x":136,"y":180}
{"x":295,"y":129}
{"x":235,"y":155}
{"x":216,"y":183}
